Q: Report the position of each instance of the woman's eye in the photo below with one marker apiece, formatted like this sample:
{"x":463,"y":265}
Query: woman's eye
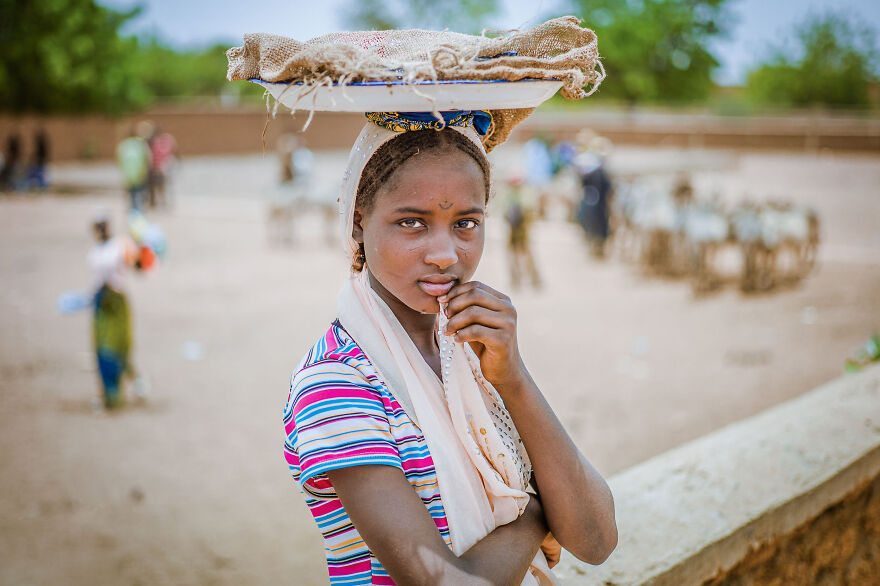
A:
{"x":410,"y":223}
{"x":468,"y":224}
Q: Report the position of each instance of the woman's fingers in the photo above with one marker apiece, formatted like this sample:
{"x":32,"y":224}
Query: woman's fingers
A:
{"x":476,"y":297}
{"x":485,"y":335}
{"x":475,"y":314}
{"x":486,"y":319}
{"x":465,"y":288}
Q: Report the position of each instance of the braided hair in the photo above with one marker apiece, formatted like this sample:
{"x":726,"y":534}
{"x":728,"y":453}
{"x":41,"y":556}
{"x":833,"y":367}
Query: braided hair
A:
{"x":394,"y":153}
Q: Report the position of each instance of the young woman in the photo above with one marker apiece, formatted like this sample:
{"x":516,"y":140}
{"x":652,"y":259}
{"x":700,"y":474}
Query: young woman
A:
{"x":413,"y":426}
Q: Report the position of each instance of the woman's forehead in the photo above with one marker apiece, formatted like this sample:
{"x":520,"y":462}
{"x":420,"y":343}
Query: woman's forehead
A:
{"x":435,"y":181}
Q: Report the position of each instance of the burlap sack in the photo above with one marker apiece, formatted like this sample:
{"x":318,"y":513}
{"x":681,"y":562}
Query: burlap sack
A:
{"x":558,"y":49}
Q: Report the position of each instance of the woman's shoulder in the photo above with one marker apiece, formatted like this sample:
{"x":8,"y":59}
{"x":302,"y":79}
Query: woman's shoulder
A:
{"x":334,"y":347}
{"x":333,"y":377}
{"x":335,"y":361}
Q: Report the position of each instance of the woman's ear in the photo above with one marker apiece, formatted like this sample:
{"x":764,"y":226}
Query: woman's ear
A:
{"x":357,"y":229}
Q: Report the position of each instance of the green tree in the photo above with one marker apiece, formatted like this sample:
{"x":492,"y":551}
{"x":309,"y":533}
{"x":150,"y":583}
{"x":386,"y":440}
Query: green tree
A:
{"x":832,"y":64}
{"x":66,"y":56}
{"x":655,"y":50}
{"x":167,"y":73}
{"x":465,"y":16}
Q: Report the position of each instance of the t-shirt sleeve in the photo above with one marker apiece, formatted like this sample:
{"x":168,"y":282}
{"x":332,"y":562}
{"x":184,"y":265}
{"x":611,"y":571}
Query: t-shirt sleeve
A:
{"x":335,"y":418}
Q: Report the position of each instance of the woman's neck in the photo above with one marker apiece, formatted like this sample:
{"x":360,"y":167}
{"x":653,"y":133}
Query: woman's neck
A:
{"x":420,"y":326}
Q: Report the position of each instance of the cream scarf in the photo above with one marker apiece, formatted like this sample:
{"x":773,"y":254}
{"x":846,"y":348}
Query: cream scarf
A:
{"x":481,"y":465}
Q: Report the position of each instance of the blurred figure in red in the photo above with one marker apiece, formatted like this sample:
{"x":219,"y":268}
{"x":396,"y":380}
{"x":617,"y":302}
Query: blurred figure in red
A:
{"x":163,"y":149}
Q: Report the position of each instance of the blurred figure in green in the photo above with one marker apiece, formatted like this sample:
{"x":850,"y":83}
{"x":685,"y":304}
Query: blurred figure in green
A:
{"x":519,"y":213}
{"x":111,"y":329}
{"x":133,"y":156}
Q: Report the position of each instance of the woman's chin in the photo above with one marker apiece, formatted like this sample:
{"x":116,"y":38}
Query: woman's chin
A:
{"x":413,"y":298}
{"x":431,"y":307}
{"x":426,"y":304}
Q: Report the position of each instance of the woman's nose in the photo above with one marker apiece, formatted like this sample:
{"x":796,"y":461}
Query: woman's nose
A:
{"x":441,"y":251}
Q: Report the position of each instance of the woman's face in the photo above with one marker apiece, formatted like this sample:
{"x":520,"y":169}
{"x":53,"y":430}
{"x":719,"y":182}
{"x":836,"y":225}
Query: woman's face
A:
{"x":424,"y":232}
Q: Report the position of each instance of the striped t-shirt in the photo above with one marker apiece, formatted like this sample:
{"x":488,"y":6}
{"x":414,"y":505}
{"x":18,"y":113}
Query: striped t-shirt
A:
{"x":339,"y":413}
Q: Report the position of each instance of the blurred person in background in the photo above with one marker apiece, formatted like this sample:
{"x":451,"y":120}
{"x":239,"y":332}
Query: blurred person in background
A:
{"x":108,"y":260}
{"x":519,"y":213}
{"x":565,"y":190}
{"x":539,"y":170}
{"x":10,"y":172}
{"x":296,"y":192}
{"x":297,"y":163}
{"x":286,"y":147}
{"x":683,"y":190}
{"x":37,"y":172}
{"x":133,"y":156}
{"x":163,"y":155}
{"x":563,"y":155}
{"x":593,"y":210}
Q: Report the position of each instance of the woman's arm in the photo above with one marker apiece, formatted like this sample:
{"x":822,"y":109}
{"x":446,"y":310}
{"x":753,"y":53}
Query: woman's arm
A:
{"x":400,"y":532}
{"x":577,"y":502}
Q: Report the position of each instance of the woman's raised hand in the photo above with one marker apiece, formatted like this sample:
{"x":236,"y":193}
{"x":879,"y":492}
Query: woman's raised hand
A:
{"x":577,"y":503}
{"x":486,"y":318}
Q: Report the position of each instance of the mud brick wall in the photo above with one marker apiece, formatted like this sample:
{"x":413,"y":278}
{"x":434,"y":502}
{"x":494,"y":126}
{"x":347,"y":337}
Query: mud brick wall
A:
{"x":213,"y":130}
{"x":840,"y":546}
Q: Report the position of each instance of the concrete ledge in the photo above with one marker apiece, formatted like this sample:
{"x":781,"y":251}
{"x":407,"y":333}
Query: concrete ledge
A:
{"x":690,"y":515}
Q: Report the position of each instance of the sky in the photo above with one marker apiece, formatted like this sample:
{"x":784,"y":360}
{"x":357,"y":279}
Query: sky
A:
{"x":757,"y":24}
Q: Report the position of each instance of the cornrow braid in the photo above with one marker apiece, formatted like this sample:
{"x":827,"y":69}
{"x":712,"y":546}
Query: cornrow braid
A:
{"x":391,"y":155}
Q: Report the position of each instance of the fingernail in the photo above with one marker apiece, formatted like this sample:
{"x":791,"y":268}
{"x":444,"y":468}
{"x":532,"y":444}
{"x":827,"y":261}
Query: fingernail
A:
{"x":442,"y":299}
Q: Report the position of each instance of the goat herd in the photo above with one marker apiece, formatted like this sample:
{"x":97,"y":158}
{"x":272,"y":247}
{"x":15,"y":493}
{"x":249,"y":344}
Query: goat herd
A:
{"x":671,"y":232}
{"x":658,"y":224}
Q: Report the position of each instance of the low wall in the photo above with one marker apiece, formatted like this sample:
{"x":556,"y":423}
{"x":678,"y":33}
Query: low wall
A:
{"x":789,"y":496}
{"x":682,"y":130}
{"x":217,"y":130}
{"x":198,"y":132}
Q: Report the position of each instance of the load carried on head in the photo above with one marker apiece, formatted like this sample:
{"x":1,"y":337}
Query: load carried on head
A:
{"x":426,"y":71}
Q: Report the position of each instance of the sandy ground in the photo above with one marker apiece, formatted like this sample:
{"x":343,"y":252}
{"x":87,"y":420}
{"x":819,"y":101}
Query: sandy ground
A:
{"x":191,"y":487}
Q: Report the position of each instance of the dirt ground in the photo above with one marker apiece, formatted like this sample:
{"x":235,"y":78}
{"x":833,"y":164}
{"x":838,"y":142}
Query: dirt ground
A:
{"x":191,"y":486}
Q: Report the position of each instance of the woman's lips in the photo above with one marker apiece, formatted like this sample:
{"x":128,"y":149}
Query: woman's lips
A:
{"x":436,"y":289}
